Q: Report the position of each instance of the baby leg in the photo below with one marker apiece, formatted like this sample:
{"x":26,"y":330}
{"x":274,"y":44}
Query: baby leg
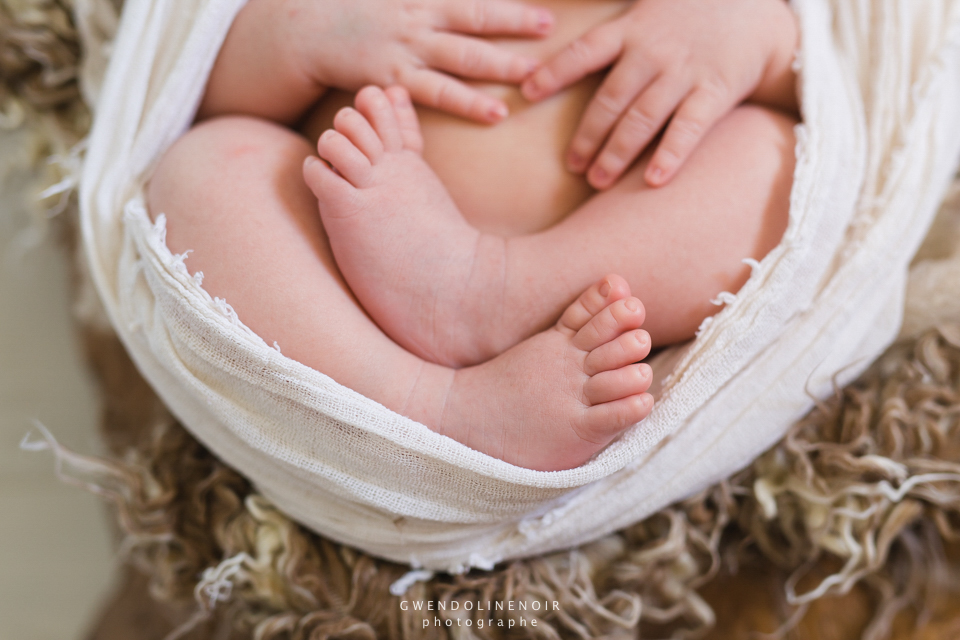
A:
{"x":399,"y":239}
{"x":457,"y":296}
{"x":681,"y":244}
{"x":233,"y":193}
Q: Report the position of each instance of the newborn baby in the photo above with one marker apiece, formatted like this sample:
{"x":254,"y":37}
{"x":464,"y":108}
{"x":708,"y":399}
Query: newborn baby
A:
{"x":465,"y":288}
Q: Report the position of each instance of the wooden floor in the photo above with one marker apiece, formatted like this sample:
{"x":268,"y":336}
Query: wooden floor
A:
{"x":56,"y":552}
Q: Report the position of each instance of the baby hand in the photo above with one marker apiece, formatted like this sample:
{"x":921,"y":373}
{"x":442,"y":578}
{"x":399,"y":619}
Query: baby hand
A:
{"x":420,"y":46}
{"x":693,"y":60}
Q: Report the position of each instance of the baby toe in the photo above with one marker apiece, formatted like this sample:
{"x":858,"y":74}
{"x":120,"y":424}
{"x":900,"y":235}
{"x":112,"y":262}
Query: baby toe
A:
{"x":330,"y":189}
{"x":624,"y":382}
{"x":595,"y":299}
{"x":628,"y":348}
{"x":345,"y":157}
{"x":358,"y":130}
{"x":601,"y":423}
{"x":407,"y":118}
{"x":616,"y":318}
{"x":373,"y":103}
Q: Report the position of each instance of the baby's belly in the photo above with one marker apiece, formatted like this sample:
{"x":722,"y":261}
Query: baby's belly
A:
{"x":509,"y":178}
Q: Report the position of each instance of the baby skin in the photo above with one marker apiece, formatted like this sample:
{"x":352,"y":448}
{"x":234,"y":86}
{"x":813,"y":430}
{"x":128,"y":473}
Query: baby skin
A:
{"x":398,"y":238}
{"x":438,"y":286}
{"x":399,"y":294}
{"x":583,"y":370}
{"x":434,"y":283}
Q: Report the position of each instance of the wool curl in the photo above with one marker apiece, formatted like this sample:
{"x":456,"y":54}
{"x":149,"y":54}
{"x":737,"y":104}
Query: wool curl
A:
{"x":869,"y":479}
{"x":40,"y":55}
{"x":868,"y":483}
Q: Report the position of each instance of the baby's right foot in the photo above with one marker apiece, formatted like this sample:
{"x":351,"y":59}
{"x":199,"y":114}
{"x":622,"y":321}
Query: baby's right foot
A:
{"x":554,"y":400}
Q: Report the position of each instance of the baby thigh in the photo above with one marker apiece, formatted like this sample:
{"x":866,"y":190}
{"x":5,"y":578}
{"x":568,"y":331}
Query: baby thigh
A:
{"x":681,"y":244}
{"x":234,"y":196}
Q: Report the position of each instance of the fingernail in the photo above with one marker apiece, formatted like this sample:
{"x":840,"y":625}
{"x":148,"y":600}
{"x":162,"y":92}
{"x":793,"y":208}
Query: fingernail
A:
{"x":309,"y":161}
{"x":599,"y":177}
{"x":498,"y":111}
{"x":655,"y":175}
{"x":632,"y":304}
{"x":605,"y":289}
{"x":544,"y":20}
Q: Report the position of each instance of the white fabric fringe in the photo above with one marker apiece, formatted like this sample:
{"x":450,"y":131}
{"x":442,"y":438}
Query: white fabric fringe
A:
{"x":879,"y":144}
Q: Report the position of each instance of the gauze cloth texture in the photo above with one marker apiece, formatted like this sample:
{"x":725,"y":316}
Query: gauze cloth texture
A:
{"x":879,"y":143}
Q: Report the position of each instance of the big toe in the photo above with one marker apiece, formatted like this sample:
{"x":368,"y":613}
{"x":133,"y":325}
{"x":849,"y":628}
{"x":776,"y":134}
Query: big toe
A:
{"x":610,"y":323}
{"x":595,"y":299}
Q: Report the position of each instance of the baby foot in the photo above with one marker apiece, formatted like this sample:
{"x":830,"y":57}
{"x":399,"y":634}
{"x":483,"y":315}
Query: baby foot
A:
{"x":554,"y":400}
{"x":430,"y":280}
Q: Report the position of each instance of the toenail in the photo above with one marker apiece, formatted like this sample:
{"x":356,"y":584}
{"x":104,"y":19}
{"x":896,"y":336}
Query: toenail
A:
{"x":599,"y":178}
{"x":632,"y":304}
{"x":605,"y":289}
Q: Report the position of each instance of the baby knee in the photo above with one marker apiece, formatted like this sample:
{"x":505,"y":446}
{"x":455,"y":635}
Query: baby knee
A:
{"x":767,"y":147}
{"x":216,"y":158}
{"x":763,"y":134}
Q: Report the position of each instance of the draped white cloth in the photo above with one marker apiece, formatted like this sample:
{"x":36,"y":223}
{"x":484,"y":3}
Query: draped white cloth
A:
{"x":880,"y":86}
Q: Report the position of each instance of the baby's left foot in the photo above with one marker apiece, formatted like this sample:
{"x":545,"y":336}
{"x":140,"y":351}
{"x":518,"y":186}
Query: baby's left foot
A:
{"x":431,"y":281}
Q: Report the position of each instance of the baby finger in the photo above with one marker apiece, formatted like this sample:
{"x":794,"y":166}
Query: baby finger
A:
{"x":636,"y":129}
{"x":698,"y":112}
{"x":497,"y":17}
{"x":619,"y":89}
{"x":585,"y":55}
{"x":478,"y":59}
{"x":439,"y":91}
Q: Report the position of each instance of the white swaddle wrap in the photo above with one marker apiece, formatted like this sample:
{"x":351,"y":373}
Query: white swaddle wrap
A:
{"x":879,"y":144}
